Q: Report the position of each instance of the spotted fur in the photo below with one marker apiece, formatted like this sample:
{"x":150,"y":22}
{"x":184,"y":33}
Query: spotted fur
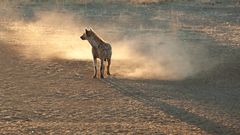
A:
{"x":100,"y":49}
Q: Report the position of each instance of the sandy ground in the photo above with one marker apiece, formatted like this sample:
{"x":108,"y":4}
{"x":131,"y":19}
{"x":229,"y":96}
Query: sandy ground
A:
{"x":44,"y":97}
{"x":59,"y":96}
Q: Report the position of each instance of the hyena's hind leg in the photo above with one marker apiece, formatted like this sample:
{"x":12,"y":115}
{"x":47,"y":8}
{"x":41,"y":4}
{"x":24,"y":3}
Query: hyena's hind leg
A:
{"x":102,"y":68}
{"x":95,"y":67}
{"x":108,"y":66}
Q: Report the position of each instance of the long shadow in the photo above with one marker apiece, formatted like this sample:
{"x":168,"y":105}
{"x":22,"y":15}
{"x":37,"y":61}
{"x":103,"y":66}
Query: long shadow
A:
{"x":193,"y":119}
{"x":220,"y":83}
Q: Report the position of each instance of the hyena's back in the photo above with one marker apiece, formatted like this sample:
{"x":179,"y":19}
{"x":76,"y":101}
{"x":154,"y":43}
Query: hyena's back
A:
{"x":105,"y":51}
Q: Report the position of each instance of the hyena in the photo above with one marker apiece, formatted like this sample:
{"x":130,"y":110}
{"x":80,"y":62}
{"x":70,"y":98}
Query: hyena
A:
{"x":100,"y":49}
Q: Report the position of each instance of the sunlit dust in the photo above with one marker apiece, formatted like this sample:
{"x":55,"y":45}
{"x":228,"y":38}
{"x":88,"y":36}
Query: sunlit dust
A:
{"x":47,"y":38}
{"x":144,"y":55}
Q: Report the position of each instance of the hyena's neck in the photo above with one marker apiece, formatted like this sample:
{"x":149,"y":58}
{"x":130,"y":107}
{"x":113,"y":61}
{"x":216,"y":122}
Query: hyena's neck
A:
{"x":93,"y":42}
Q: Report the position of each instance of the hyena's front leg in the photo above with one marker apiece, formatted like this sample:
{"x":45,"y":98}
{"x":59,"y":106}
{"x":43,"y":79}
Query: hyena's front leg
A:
{"x":108,"y":66}
{"x":102,"y":68}
{"x":95,"y":67}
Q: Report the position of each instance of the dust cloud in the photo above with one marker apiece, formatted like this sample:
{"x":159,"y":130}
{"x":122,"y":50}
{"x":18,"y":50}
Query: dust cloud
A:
{"x":153,"y":56}
{"x":54,"y":34}
{"x":51,"y":35}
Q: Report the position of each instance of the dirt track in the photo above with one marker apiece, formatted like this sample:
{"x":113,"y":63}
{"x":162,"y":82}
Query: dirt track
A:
{"x":58,"y":96}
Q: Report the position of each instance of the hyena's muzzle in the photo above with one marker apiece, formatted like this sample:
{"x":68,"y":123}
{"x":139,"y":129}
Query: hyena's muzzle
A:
{"x":83,"y":37}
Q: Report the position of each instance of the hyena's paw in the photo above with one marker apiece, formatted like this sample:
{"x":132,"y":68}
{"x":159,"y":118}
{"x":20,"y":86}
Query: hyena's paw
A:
{"x":102,"y":77}
{"x":94,"y":76}
{"x":108,"y":73}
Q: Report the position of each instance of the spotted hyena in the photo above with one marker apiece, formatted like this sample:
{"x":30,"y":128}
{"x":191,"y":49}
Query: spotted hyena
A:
{"x":100,"y":49}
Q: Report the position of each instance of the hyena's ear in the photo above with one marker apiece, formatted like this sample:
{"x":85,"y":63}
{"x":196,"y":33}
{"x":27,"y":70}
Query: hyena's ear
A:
{"x":87,"y":32}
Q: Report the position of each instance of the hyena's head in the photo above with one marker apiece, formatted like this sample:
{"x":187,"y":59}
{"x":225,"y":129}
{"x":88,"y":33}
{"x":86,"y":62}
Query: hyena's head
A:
{"x":86,"y":35}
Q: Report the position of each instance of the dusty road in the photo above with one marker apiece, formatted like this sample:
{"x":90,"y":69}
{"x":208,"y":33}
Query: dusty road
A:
{"x":42,"y":97}
{"x":60,"y":97}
